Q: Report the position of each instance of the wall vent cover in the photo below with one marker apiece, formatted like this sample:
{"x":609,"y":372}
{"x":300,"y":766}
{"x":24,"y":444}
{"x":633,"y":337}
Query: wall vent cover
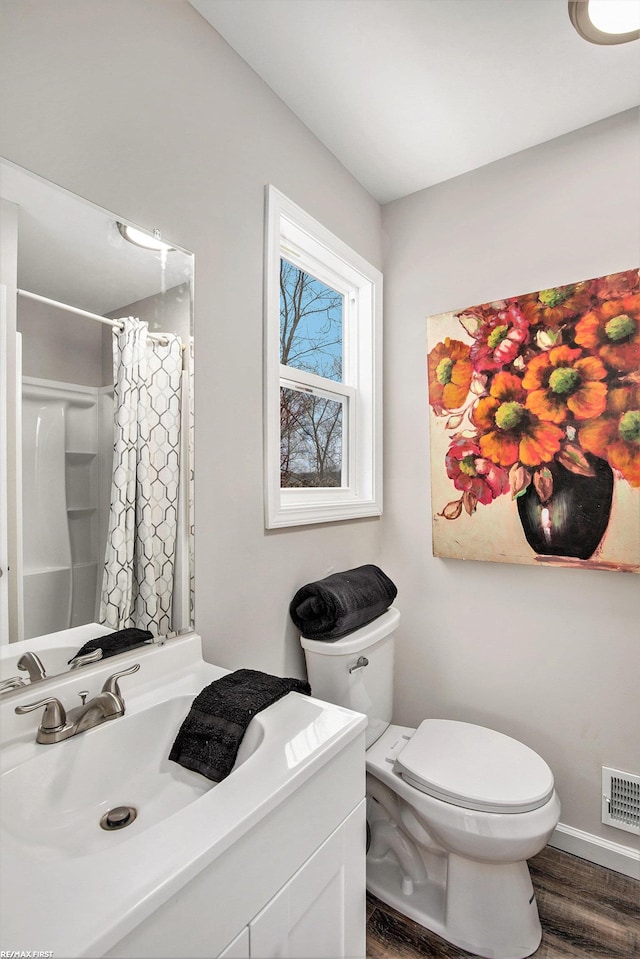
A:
{"x":621,"y":799}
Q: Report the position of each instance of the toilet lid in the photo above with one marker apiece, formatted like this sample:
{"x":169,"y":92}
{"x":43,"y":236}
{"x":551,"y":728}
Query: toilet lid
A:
{"x":474,"y":767}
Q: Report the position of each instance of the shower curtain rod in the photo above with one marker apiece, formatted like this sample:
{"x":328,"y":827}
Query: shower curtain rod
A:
{"x":74,"y":309}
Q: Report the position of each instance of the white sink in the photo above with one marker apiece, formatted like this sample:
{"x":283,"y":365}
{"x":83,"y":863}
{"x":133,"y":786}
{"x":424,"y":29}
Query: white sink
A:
{"x":69,"y":886}
{"x":53,"y":803}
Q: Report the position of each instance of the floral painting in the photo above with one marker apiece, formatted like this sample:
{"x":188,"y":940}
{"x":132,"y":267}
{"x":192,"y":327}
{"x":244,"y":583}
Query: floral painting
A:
{"x":535,"y":427}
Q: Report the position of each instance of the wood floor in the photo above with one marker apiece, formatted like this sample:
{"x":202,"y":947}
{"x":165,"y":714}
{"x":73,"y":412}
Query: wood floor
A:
{"x":586,"y":912}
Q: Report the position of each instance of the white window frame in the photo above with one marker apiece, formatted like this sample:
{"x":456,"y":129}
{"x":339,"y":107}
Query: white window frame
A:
{"x":297,"y":237}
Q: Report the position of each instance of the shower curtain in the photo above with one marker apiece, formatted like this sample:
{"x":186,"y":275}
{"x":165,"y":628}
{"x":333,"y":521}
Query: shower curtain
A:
{"x":183,"y":596}
{"x":138,"y":580}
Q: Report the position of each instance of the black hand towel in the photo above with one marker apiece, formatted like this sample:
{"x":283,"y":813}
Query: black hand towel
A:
{"x":341,"y":603}
{"x":113,"y":643}
{"x":210,"y":736}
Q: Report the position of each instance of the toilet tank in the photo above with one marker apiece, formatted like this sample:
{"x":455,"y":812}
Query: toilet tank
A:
{"x":367,"y":688}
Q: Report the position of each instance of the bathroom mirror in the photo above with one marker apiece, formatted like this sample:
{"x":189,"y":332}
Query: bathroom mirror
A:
{"x":66,"y":263}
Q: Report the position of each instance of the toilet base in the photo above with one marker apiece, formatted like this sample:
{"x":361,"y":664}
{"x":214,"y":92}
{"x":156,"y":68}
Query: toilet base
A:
{"x":488,"y":909}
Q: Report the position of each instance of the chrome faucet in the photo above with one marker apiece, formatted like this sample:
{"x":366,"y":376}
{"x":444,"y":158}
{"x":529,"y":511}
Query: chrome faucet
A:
{"x":57,"y":724}
{"x":91,"y":657}
{"x":32,"y":664}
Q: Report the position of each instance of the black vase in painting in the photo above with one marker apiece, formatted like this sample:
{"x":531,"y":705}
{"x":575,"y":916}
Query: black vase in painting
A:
{"x":574,"y":519}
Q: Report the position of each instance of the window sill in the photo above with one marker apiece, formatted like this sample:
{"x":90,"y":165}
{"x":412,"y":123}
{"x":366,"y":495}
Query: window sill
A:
{"x":328,"y":512}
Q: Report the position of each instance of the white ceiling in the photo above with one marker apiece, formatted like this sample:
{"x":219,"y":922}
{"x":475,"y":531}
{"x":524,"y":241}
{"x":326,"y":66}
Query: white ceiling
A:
{"x":405,"y":93}
{"x":408,"y":93}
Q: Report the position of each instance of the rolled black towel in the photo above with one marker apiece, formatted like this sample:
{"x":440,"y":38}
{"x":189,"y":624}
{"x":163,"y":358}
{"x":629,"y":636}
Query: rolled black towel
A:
{"x":341,"y":603}
{"x":210,"y":736}
{"x":113,"y":643}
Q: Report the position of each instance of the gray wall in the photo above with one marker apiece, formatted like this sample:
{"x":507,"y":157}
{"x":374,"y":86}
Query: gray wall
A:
{"x":550,"y":656}
{"x":142,"y":108}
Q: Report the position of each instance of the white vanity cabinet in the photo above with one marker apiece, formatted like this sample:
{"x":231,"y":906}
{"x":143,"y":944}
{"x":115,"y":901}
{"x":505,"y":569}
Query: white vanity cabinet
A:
{"x":320,"y":911}
{"x":239,"y":948}
{"x":318,"y":914}
{"x":293,"y":886}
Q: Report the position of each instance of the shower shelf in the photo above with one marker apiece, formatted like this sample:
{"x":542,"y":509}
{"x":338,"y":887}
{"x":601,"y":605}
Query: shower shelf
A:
{"x":81,"y":454}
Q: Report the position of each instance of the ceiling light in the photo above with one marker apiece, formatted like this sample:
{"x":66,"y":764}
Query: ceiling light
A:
{"x":606,"y":21}
{"x":145,"y":240}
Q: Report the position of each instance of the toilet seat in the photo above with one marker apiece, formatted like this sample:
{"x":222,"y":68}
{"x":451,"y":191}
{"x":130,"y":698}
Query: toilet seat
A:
{"x":474,"y":767}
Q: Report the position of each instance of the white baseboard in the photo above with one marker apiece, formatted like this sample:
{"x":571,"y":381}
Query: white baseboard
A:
{"x":603,"y":852}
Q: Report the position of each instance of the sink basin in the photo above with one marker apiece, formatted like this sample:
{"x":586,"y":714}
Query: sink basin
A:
{"x":52,"y":804}
{"x":69,"y":886}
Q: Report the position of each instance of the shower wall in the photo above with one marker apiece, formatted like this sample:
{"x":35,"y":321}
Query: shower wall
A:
{"x":62,"y":347}
{"x":67,"y":437}
{"x":66,"y":469}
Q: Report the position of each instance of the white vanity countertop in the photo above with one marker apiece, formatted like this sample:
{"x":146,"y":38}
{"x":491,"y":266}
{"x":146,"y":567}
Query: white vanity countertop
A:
{"x":81,"y":905}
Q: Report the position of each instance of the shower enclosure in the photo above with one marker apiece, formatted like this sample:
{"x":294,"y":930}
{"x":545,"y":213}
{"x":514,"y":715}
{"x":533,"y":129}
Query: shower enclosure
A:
{"x":67,"y":441}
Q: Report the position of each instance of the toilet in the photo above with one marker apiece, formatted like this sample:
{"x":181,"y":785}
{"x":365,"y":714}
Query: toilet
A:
{"x":454,"y":810}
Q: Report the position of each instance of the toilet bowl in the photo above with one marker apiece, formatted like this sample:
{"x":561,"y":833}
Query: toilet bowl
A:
{"x":454,"y":810}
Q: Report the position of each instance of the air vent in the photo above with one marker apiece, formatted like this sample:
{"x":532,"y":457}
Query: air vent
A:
{"x":621,"y":799}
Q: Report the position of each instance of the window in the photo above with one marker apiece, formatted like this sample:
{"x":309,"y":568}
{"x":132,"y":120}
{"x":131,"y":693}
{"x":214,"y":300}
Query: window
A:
{"x":322,"y":373}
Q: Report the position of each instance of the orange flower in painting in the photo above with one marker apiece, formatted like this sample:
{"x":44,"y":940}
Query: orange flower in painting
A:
{"x":557,"y":305}
{"x":612,"y":330}
{"x":564,"y":381}
{"x":511,"y":432}
{"x":450,"y":373}
{"x":615,"y":436}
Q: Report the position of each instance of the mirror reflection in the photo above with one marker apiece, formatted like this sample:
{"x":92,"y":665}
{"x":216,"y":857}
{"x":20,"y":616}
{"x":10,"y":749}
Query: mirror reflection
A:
{"x":98,"y":487}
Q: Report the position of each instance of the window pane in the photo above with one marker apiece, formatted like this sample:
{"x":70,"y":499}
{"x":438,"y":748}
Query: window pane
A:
{"x":310,"y":440}
{"x":310,"y":323}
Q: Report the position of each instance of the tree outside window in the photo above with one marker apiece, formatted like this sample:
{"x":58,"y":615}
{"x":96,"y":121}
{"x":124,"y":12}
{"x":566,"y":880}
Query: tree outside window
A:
{"x":311,"y":424}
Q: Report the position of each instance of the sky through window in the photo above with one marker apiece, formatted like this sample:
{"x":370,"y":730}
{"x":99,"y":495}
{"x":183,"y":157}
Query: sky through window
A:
{"x":310,"y":323}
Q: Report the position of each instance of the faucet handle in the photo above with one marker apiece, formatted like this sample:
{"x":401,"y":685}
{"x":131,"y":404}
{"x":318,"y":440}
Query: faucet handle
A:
{"x":54,"y":718}
{"x":14,"y":682}
{"x":111,"y":683}
{"x":91,"y":657}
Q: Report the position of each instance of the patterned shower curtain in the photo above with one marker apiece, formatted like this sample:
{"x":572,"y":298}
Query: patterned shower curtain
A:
{"x":138,"y":579}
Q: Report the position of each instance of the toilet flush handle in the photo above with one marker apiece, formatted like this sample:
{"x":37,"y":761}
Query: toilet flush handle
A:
{"x":362,"y":661}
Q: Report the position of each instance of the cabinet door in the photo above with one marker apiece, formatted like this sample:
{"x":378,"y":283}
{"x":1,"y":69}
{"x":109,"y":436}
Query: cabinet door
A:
{"x":238,"y":948}
{"x":320,"y":912}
